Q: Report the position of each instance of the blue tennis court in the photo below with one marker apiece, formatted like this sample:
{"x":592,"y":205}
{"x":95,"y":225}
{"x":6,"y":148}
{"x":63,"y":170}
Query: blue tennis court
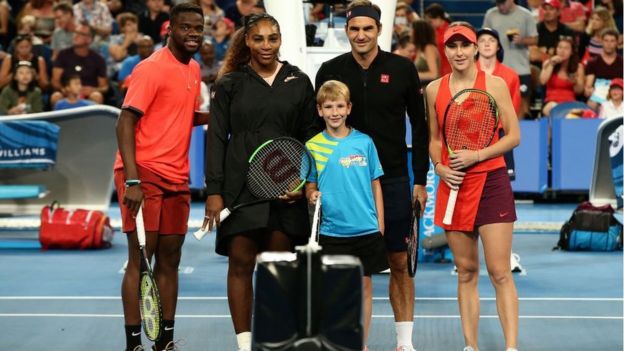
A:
{"x":69,"y":300}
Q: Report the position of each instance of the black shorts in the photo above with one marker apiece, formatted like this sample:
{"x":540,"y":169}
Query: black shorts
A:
{"x":368,"y":248}
{"x":397,"y":197}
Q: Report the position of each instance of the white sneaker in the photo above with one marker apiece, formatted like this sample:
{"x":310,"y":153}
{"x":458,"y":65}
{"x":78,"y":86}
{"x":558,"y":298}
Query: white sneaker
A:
{"x":470,"y":348}
{"x":514,"y":262}
{"x":405,"y":348}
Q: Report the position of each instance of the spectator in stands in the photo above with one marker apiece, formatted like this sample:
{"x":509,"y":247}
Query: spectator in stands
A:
{"x":212,"y":13}
{"x":221,"y":33}
{"x":23,"y":51}
{"x":72,"y":88}
{"x":97,"y":15}
{"x":427,"y":58}
{"x":22,"y":95}
{"x":64,"y":28}
{"x":405,"y":47}
{"x":26,"y":26}
{"x":124,"y":44}
{"x":439,"y":19}
{"x":115,"y":7}
{"x":519,"y":31}
{"x":600,"y":19}
{"x":563,"y":75}
{"x":549,"y":30}
{"x":208,"y":65}
{"x":404,"y":16}
{"x":43,"y":12}
{"x":151,"y":21}
{"x":490,"y":59}
{"x":615,"y":9}
{"x":81,"y":60}
{"x":613,"y":107}
{"x":534,"y":7}
{"x":572,"y":14}
{"x":145,"y":47}
{"x":603,"y":68}
{"x":239,"y":10}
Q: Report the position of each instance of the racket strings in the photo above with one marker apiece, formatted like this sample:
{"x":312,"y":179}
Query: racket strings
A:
{"x":279,"y":167}
{"x":150,"y":313}
{"x":470,"y":122}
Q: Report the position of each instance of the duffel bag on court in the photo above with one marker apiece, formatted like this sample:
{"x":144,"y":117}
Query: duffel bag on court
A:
{"x":74,"y":229}
{"x":591,"y":228}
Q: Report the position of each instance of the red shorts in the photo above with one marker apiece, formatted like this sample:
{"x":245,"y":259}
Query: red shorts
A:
{"x":166,"y":205}
{"x":497,"y":201}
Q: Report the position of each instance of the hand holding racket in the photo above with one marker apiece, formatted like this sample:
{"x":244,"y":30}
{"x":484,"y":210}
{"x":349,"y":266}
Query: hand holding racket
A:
{"x":277,"y":169}
{"x":470,"y":123}
{"x":149,"y":299}
{"x":412,"y":240}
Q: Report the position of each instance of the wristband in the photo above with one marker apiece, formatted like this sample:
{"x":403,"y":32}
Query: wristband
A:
{"x":132,"y":182}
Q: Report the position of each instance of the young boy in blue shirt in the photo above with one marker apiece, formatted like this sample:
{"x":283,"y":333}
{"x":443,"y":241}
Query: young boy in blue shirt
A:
{"x":347,"y":174}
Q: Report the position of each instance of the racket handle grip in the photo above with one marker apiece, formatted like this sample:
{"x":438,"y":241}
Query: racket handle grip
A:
{"x":450,"y":207}
{"x":201,"y":232}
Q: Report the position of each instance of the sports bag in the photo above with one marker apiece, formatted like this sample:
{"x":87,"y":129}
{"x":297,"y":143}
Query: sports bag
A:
{"x":74,"y":229}
{"x":591,"y":228}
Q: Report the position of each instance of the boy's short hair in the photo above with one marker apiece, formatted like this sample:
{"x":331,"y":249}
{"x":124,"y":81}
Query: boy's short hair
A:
{"x":333,"y":90}
{"x":126,"y":17}
{"x":609,"y":31}
{"x":67,"y":79}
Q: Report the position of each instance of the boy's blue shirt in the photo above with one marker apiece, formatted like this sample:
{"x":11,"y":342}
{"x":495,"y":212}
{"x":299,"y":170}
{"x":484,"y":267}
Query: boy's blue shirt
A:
{"x":344,"y":170}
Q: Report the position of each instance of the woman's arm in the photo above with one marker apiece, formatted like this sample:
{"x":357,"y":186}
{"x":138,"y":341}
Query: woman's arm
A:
{"x":509,"y":119}
{"x":5,"y":71}
{"x":579,"y":82}
{"x":547,"y":70}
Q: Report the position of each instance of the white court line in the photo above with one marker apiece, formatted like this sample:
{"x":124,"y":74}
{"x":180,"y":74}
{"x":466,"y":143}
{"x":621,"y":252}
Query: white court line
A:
{"x":209,"y":316}
{"x":223,"y":298}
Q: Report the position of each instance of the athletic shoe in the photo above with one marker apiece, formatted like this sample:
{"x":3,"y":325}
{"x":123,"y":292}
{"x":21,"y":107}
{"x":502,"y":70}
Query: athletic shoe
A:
{"x":470,"y":348}
{"x":171,"y":346}
{"x":514,"y":262}
{"x":405,"y":348}
{"x":138,"y":348}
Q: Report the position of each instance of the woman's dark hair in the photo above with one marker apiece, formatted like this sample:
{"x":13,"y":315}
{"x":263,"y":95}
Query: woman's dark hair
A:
{"x":183,"y":8}
{"x":436,"y":10}
{"x":423,"y":34}
{"x":573,"y":61}
{"x":238,"y":54}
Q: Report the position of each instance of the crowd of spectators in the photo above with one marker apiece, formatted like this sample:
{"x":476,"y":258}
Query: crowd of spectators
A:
{"x":83,"y":52}
{"x":64,"y":54}
{"x":562,"y":50}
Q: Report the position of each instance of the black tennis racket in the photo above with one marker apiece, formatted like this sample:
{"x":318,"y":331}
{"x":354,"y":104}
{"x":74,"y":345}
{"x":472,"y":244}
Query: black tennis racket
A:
{"x":149,"y":299}
{"x":470,"y":123}
{"x":276,"y":167}
{"x":412,"y":240}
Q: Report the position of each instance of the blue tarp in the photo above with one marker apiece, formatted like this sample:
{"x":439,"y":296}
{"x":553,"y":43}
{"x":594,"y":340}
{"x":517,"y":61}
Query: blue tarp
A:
{"x":28,"y":144}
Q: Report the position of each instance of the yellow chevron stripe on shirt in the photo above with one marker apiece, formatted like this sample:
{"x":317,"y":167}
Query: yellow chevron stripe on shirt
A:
{"x":320,"y":149}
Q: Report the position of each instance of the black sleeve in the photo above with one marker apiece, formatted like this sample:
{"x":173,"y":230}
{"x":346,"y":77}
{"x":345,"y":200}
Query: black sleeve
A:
{"x":420,"y":134}
{"x":320,"y":77}
{"x":309,"y":122}
{"x":217,"y":139}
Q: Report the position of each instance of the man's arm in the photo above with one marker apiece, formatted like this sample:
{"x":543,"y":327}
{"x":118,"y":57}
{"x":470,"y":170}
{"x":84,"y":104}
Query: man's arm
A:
{"x":57,"y":73}
{"x":125,"y":130}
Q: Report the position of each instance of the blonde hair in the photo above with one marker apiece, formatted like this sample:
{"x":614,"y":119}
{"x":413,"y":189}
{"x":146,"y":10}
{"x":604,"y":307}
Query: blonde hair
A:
{"x":606,"y":17}
{"x":333,"y":90}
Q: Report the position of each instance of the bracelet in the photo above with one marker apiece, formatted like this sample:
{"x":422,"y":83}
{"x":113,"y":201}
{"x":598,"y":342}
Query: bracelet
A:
{"x":132,"y":182}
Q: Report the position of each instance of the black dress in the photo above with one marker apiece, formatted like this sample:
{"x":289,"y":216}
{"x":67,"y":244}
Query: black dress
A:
{"x":245,"y":112}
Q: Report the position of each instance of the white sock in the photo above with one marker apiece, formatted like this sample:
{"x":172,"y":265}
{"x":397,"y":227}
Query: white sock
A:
{"x":404,"y":333}
{"x":511,"y":349}
{"x":244,"y":340}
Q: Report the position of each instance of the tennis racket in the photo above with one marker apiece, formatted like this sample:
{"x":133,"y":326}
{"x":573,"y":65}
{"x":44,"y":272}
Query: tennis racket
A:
{"x":276,"y":167}
{"x":470,"y":123}
{"x":412,"y":240}
{"x":149,"y":299}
